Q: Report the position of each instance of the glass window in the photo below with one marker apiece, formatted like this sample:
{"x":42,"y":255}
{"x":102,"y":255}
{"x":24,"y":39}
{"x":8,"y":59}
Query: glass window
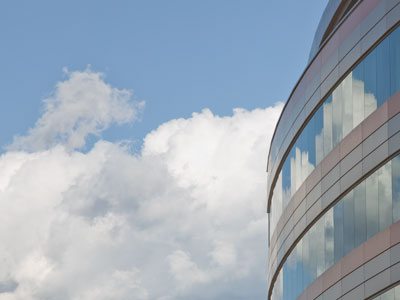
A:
{"x":385,"y":196}
{"x":338,"y":231}
{"x":329,"y":254}
{"x":360,"y":214}
{"x":311,"y":142}
{"x":347,"y":94}
{"x":319,"y":135}
{"x":372,"y":206}
{"x":286,"y":182}
{"x":337,"y":113}
{"x":370,"y":102}
{"x":358,"y":94}
{"x":382,"y":72}
{"x":360,"y":233}
{"x":306,"y":262}
{"x":327,"y":119}
{"x":299,"y":262}
{"x":348,"y":221}
{"x":396,"y":188}
{"x":319,"y":244}
{"x":372,"y":82}
{"x":394,"y":44}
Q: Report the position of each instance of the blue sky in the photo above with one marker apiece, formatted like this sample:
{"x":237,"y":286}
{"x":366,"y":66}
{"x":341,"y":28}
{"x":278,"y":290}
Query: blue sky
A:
{"x":179,"y":56}
{"x":192,"y":87}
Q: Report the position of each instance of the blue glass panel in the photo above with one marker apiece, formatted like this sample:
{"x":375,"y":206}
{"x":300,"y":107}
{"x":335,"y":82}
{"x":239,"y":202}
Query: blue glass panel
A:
{"x":313,"y":256}
{"x":286,"y":180}
{"x":329,"y":242}
{"x":385,"y":196}
{"x":370,"y":102}
{"x":299,"y":262}
{"x":311,"y":141}
{"x":338,"y":231}
{"x":348,"y":229}
{"x":337,"y":115}
{"x":306,"y":262}
{"x":328,"y":123}
{"x":394,"y":43}
{"x":383,"y":72}
{"x":372,"y":205}
{"x":358,"y":94}
{"x":347,"y":94}
{"x":396,"y":188}
{"x":360,"y":235}
{"x":342,"y":228}
{"x":319,"y":135}
{"x":375,"y":203}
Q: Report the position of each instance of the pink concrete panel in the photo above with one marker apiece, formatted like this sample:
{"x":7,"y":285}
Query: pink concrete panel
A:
{"x":377,"y":244}
{"x":315,"y":289}
{"x":313,"y":179}
{"x":394,"y":105}
{"x":331,"y":276}
{"x":367,"y":6}
{"x":358,"y":257}
{"x":356,"y":17}
{"x":349,"y":25}
{"x":375,"y":120}
{"x":301,"y":192}
{"x":395,"y":234}
{"x":352,"y":260}
{"x":330,"y":161}
{"x":329,"y":48}
{"x":303,"y":296}
{"x":313,"y":70}
{"x":290,"y":209}
{"x":283,"y":219}
{"x":300,"y":88}
{"x":351,"y":141}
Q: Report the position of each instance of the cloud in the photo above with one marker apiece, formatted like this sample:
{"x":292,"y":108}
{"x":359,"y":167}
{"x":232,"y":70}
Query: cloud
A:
{"x":183,"y":219}
{"x":81,"y":105}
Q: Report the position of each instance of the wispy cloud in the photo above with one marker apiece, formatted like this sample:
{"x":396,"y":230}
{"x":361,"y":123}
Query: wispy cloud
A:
{"x":183,"y":219}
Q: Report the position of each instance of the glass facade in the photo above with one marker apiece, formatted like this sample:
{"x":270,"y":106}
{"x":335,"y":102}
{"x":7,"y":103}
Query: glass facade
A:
{"x":371,"y":207}
{"x":372,"y":82}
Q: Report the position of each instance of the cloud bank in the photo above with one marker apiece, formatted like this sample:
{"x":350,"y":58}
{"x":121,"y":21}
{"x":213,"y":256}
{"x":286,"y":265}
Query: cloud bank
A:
{"x":183,"y":219}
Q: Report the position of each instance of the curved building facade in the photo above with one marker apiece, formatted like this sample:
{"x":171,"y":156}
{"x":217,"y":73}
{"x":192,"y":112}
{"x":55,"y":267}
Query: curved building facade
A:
{"x":334,"y":162}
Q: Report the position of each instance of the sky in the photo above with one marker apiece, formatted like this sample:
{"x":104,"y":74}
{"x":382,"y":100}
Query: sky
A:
{"x":134,"y":137}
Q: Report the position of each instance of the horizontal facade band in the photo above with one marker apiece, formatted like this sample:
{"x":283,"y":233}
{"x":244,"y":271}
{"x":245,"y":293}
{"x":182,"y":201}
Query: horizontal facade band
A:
{"x":356,"y":165}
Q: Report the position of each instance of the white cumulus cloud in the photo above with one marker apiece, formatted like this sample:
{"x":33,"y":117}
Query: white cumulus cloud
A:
{"x":81,"y":105}
{"x":183,"y":219}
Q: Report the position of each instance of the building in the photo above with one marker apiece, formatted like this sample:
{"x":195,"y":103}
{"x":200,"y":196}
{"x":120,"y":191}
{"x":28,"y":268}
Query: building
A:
{"x":334,"y":163}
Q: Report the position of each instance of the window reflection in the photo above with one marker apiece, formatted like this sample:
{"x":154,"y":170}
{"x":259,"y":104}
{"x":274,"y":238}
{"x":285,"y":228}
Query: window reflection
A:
{"x":372,"y":82}
{"x":371,"y":207}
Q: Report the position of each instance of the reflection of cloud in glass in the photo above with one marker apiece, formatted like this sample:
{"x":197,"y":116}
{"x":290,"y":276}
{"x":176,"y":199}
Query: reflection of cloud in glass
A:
{"x":385,"y":195}
{"x":319,"y":147}
{"x":300,"y":168}
{"x":337,"y":115}
{"x":347,"y":92}
{"x":327,"y":129}
{"x":328,"y":220}
{"x":358,"y":101}
{"x":373,"y":205}
{"x":370,"y":104}
{"x":314,"y":253}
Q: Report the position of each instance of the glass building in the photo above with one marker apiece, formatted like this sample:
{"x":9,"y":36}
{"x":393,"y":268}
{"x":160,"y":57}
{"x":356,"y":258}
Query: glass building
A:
{"x":334,"y":163}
